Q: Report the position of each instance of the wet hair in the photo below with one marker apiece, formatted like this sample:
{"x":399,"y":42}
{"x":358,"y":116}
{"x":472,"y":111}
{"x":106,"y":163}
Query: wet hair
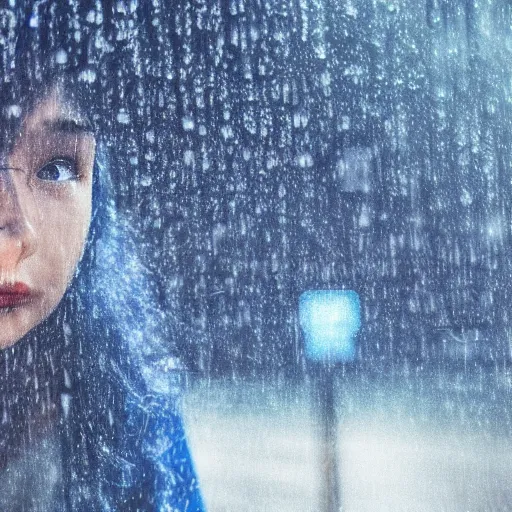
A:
{"x":107,"y":349}
{"x":136,"y":448}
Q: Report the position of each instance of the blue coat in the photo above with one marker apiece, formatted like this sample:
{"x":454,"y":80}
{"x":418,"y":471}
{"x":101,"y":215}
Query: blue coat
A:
{"x":147,"y":468}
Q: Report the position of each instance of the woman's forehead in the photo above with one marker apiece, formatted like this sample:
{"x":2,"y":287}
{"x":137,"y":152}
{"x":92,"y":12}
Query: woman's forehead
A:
{"x":54,"y":110}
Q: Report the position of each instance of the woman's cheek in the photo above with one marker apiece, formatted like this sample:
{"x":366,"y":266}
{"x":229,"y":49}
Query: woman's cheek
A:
{"x":66,"y":234}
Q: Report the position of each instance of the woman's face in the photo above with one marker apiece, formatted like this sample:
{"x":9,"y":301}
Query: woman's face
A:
{"x":45,"y":211}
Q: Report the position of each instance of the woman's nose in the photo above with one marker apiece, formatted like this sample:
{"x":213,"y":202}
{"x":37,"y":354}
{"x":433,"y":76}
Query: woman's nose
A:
{"x":17,"y":235}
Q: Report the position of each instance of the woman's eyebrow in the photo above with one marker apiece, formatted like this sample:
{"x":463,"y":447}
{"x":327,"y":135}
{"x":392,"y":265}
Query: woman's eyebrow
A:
{"x":69,"y":125}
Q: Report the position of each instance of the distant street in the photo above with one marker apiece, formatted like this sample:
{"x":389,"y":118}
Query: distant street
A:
{"x":404,"y":445}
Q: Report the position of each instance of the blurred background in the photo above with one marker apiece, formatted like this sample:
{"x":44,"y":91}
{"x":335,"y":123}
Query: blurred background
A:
{"x":275,"y":147}
{"x":349,"y":145}
{"x":419,"y":442}
{"x":265,"y":148}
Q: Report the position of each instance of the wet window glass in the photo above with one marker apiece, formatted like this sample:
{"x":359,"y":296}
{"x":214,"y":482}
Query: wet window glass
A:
{"x":255,"y":255}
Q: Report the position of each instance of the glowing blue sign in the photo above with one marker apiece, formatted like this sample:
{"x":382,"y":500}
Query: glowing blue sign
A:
{"x":330,"y":320}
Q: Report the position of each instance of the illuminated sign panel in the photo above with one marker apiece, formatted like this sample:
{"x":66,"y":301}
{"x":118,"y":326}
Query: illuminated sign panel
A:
{"x":330,"y":320}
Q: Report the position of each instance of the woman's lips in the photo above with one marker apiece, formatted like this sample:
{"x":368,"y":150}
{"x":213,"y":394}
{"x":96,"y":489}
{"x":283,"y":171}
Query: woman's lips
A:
{"x":13,"y":295}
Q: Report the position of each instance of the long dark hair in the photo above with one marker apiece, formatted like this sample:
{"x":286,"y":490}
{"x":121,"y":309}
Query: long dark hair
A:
{"x":124,"y":378}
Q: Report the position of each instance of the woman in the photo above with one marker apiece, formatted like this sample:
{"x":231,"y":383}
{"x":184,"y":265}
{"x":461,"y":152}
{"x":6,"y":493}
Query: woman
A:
{"x":88,"y":388}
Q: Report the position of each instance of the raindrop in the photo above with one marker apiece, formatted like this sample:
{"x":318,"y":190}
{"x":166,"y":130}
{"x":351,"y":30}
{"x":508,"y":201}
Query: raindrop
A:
{"x":13,"y":111}
{"x":61,"y":57}
{"x":123,"y":117}
{"x":188,"y":123}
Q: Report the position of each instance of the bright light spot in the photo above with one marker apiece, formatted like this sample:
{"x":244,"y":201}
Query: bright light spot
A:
{"x":13,"y":111}
{"x":87,"y":75}
{"x":188,"y":123}
{"x":61,"y":57}
{"x":330,"y":320}
{"x":123,"y":117}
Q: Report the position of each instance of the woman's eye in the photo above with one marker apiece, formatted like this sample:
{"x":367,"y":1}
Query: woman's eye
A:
{"x":58,"y":170}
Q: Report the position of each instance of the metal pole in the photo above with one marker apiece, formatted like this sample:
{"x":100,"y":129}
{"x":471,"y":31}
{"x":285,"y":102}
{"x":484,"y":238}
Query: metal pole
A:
{"x":331,"y":499}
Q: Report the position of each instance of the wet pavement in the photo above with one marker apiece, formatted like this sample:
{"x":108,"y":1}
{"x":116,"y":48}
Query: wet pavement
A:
{"x":421,"y":442}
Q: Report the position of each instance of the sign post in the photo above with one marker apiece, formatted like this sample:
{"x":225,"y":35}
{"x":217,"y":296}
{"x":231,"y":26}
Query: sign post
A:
{"x":330,"y":320}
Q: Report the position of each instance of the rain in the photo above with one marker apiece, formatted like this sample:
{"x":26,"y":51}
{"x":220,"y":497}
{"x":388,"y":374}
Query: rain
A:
{"x":260,"y":150}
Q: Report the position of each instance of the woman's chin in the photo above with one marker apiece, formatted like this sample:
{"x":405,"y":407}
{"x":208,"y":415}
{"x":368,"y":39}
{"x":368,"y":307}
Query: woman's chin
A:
{"x":15,"y":323}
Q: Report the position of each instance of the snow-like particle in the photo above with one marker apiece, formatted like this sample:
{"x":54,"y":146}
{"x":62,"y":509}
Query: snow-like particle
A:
{"x":87,"y":75}
{"x":351,"y":10}
{"x":466,"y":198}
{"x":188,"y":123}
{"x":123,"y":117}
{"x":304,"y":160}
{"x":188,"y":157}
{"x":61,"y":57}
{"x":146,"y":181}
{"x":91,"y":16}
{"x":13,"y":111}
{"x":33,"y":22}
{"x":65,"y":400}
{"x":150,"y":136}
